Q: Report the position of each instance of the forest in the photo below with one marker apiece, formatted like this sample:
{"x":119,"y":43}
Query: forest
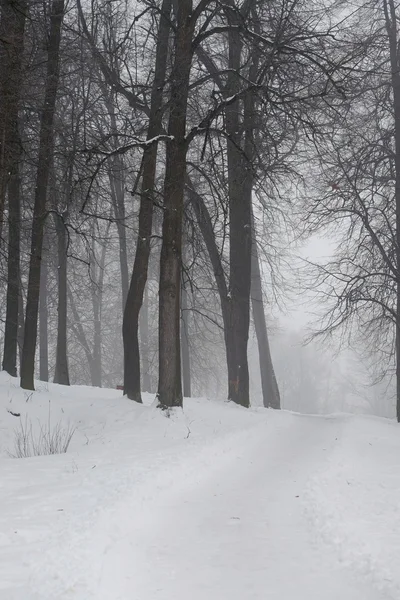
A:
{"x":161,"y":163}
{"x":199,"y":299}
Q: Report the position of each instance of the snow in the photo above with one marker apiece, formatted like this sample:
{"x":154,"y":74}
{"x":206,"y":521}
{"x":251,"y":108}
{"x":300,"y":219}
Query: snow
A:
{"x":215,"y":502}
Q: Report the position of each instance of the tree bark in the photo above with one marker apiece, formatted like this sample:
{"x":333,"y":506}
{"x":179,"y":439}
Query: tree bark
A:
{"x":187,"y":384}
{"x":21,"y":322}
{"x":144,"y":341}
{"x":12,"y":29}
{"x":61,"y":374}
{"x":269,"y":385}
{"x":169,"y":383}
{"x":239,"y":182}
{"x":130,"y":328}
{"x":43,"y":321}
{"x":13,"y":273}
{"x":39,"y":211}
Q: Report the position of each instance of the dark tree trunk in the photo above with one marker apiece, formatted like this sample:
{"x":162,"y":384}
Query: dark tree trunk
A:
{"x":130,"y":329}
{"x":270,"y":390}
{"x":39,"y":211}
{"x":144,"y":341}
{"x":13,"y":274}
{"x":12,"y":28}
{"x":61,"y":374}
{"x":240,"y":183}
{"x":21,"y":321}
{"x":169,"y":383}
{"x":187,"y":385}
{"x":43,"y":320}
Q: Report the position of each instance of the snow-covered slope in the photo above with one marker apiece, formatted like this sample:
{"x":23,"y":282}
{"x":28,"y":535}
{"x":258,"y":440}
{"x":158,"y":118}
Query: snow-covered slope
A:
{"x":215,"y":503}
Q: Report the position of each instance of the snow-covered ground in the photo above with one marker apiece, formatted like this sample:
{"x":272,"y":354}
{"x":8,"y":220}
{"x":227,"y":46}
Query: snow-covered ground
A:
{"x":214,"y":503}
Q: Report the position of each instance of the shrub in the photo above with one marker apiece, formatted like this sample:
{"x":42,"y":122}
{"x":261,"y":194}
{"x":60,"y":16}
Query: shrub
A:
{"x":45,"y":440}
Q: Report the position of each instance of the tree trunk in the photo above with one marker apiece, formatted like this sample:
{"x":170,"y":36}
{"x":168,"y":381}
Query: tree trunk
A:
{"x":144,"y":341}
{"x":61,"y":374}
{"x":270,"y":390}
{"x":12,"y":29}
{"x":239,"y":182}
{"x":130,"y":328}
{"x":21,"y":321}
{"x":39,"y":211}
{"x":187,"y":388}
{"x":169,"y":383}
{"x":43,"y":321}
{"x":13,"y":273}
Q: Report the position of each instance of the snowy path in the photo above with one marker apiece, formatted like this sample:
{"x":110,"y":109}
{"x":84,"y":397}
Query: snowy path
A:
{"x":238,"y":534}
{"x":215,"y":503}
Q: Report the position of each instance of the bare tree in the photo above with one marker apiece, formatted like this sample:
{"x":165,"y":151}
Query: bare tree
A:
{"x":169,"y":384}
{"x":12,"y":28}
{"x":359,"y":188}
{"x":134,"y":301}
{"x":39,"y":213}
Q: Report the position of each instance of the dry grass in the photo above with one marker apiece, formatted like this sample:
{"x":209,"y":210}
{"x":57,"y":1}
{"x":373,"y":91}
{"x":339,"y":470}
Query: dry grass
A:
{"x":41,"y":441}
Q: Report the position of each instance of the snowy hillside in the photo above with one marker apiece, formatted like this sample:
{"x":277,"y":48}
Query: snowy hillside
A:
{"x":215,"y":503}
